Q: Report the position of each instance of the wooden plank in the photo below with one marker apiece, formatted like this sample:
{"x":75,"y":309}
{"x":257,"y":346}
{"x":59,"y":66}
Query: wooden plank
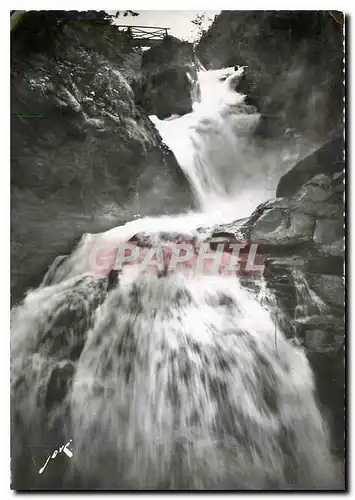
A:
{"x":144,"y":35}
{"x":135,"y":30}
{"x":137,"y":26}
{"x":148,"y":37}
{"x":139,"y":33}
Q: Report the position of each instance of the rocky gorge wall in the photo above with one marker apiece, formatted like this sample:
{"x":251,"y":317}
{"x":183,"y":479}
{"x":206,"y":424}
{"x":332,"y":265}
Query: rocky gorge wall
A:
{"x":169,"y":71}
{"x":85,"y":157}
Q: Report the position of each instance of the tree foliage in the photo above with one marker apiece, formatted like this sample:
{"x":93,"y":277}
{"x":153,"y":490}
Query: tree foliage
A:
{"x":39,"y":31}
{"x":200,"y":21}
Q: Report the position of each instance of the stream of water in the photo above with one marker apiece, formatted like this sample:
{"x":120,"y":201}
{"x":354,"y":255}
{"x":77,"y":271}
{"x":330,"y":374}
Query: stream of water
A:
{"x":172,"y":382}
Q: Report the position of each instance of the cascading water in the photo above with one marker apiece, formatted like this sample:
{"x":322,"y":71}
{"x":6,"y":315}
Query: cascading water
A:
{"x":210,"y":142}
{"x":166,"y":382}
{"x":215,"y":148}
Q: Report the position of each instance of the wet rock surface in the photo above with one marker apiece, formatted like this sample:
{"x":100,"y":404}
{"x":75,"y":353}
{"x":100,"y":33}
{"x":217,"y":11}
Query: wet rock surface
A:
{"x":305,"y":233}
{"x":327,"y":161}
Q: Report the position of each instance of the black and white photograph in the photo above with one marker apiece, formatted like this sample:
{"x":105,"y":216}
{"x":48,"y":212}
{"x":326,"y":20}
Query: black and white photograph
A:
{"x":177,"y":210}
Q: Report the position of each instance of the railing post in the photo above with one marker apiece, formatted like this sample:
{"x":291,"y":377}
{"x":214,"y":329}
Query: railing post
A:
{"x":141,"y":33}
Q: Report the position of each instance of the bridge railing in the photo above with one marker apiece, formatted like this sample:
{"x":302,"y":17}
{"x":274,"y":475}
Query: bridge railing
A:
{"x":145,"y":32}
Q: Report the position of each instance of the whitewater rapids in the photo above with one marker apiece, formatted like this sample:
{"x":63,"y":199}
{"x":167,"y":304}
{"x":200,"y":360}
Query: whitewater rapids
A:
{"x":172,"y":382}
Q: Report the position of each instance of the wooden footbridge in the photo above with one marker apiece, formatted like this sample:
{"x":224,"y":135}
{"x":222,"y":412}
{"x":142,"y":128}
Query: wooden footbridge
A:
{"x":140,"y":36}
{"x":144,"y":36}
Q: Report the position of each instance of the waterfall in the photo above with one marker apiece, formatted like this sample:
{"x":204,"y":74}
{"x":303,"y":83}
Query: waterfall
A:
{"x":173,"y":383}
{"x":167,"y":381}
{"x":216,"y":150}
{"x":210,"y":142}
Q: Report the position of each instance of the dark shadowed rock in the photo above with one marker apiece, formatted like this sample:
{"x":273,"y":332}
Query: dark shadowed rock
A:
{"x":328,"y":287}
{"x":169,"y":71}
{"x":318,"y":189}
{"x":329,"y":236}
{"x":329,"y":160}
{"x":167,"y":93}
{"x":282,"y":228}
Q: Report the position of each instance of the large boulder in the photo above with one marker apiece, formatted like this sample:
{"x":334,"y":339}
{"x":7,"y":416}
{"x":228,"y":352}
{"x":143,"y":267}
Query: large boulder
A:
{"x":169,"y":76}
{"x":327,"y":160}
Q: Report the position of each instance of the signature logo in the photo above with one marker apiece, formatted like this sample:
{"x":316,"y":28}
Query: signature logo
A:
{"x":63,"y":449}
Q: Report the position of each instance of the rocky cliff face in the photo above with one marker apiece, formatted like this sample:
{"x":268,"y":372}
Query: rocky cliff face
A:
{"x":85,"y":156}
{"x":295,"y":63}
